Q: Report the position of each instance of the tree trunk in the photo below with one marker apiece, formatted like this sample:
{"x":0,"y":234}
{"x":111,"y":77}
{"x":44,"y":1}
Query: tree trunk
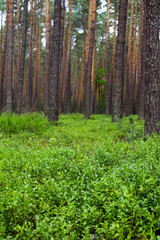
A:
{"x":22,"y":61}
{"x":10,"y":57}
{"x":112,"y":75}
{"x":141,"y":82}
{"x":47,"y":60}
{"x":107,"y":111}
{"x":53,"y":105}
{"x":80,"y":99}
{"x":68,"y":64}
{"x":86,"y":55}
{"x":3,"y":61}
{"x":119,"y":74}
{"x":152,"y":68}
{"x":30,"y":67}
{"x":89,"y":67}
{"x":60,"y":84}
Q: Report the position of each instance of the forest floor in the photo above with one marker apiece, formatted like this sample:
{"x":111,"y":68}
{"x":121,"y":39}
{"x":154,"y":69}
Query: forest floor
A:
{"x":78,"y":179}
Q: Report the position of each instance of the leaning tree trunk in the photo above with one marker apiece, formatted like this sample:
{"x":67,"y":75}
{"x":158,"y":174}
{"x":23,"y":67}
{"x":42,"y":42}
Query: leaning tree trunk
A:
{"x":53,"y":105}
{"x":119,"y":74}
{"x":22,"y":62}
{"x":10,"y":57}
{"x":152,"y":68}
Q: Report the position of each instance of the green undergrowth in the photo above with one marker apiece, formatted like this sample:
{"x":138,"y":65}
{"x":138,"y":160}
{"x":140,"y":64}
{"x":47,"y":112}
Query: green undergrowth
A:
{"x":78,"y":179}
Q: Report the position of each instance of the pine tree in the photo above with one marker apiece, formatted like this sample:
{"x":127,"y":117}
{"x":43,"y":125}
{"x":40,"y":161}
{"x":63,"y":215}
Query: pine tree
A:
{"x":152,"y":67}
{"x":53,"y":105}
{"x":119,"y":73}
{"x":10,"y":56}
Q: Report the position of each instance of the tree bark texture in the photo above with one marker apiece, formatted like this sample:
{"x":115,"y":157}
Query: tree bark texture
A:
{"x":119,"y":73}
{"x":107,"y":110}
{"x":10,"y":57}
{"x":30,"y":67}
{"x":22,"y":61}
{"x":152,"y":68}
{"x":89,"y":63}
{"x":47,"y":60}
{"x":53,"y":105}
{"x":67,"y":96}
{"x":3,"y":61}
{"x":60,"y":84}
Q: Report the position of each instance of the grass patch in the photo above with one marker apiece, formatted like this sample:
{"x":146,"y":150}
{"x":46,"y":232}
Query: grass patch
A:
{"x":78,"y":179}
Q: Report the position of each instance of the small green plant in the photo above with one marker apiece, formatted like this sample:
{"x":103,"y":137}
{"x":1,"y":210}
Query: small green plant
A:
{"x":78,"y":179}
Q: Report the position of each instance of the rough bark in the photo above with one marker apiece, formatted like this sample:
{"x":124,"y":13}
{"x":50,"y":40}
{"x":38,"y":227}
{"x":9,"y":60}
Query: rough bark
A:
{"x":10,"y":57}
{"x":152,"y":68}
{"x":86,"y":55}
{"x":30,"y":67}
{"x":53,"y":105}
{"x":128,"y":110}
{"x":67,"y":96}
{"x":60,"y":84}
{"x":80,"y":101}
{"x":107,"y":110}
{"x":22,"y":61}
{"x":112,"y":75}
{"x":141,"y":82}
{"x":47,"y":60}
{"x":119,"y":73}
{"x":3,"y":61}
{"x":89,"y":67}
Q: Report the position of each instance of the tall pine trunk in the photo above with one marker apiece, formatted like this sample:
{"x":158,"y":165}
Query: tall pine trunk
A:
{"x":107,"y":110}
{"x":89,"y":62}
{"x":119,"y":73}
{"x":47,"y":60}
{"x":67,"y":96}
{"x":53,"y":105}
{"x":61,"y":56}
{"x":152,"y":68}
{"x":3,"y":60}
{"x":10,"y":57}
{"x":22,"y":61}
{"x":30,"y":67}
